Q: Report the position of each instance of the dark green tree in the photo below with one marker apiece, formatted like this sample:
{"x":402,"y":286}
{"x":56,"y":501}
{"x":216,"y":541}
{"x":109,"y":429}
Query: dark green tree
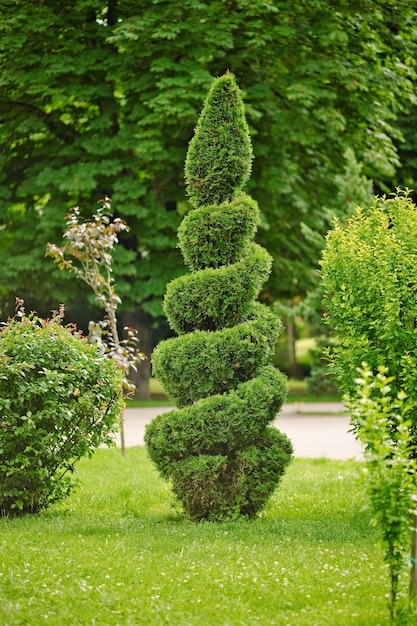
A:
{"x":219,"y":449}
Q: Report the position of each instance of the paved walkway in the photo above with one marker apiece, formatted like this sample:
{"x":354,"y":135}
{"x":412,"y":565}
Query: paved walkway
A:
{"x":315,"y":429}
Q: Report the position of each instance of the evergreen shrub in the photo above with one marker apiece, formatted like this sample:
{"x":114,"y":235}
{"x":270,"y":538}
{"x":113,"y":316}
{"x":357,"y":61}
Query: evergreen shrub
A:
{"x":218,"y":448}
{"x":60,"y":398}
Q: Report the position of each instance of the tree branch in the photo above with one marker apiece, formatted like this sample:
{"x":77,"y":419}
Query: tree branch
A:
{"x":112,"y":12}
{"x":59,"y":129}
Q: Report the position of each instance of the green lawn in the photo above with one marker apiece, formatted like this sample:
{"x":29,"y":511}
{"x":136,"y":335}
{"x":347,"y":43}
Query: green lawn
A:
{"x":118,"y":553}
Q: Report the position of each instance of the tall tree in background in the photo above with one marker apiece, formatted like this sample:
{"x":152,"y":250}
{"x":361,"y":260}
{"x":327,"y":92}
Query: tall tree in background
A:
{"x":99,"y":98}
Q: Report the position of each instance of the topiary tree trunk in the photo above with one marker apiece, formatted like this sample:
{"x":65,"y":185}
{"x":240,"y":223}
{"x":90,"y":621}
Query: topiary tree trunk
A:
{"x":219,"y":449}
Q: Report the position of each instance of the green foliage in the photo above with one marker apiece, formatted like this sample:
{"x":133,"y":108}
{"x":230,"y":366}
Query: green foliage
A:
{"x":369,"y":271}
{"x":318,"y":382}
{"x":206,"y":362}
{"x":220,"y":154}
{"x":218,"y":424}
{"x":318,"y":78}
{"x":59,"y":400}
{"x":213,"y":298}
{"x":220,"y":487}
{"x":215,"y":235}
{"x":353,"y":189}
{"x":391,"y":466}
{"x":218,"y":449}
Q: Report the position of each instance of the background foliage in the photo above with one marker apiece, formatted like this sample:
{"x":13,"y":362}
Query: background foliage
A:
{"x":100,"y":98}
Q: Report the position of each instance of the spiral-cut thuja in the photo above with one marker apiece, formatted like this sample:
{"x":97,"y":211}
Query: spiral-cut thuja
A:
{"x":218,"y":448}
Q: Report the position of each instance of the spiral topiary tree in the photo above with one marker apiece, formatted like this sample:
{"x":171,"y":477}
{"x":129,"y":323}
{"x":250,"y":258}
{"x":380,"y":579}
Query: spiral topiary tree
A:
{"x":219,"y":449}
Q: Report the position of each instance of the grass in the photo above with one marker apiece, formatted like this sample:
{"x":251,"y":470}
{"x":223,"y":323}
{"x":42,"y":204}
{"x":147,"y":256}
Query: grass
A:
{"x":297,"y":393}
{"x":118,"y":553}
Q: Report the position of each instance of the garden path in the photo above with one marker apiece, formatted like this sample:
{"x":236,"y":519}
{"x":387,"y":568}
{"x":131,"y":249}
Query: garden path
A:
{"x":315,"y":429}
